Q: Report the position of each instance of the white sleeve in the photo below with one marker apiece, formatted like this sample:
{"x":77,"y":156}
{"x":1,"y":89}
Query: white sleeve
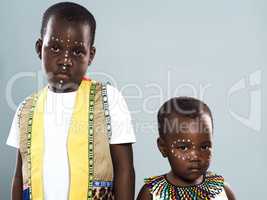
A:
{"x":13,"y":137}
{"x":121,"y":122}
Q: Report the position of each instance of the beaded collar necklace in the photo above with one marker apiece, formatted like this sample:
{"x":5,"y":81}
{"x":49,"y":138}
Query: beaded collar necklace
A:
{"x":209,"y":188}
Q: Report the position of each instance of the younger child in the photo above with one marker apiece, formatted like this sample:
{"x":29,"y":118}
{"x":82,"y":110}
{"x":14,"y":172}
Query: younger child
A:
{"x":185,"y":138}
{"x":74,"y":136}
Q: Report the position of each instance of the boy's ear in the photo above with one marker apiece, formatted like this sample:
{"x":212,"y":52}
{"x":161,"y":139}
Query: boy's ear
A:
{"x":162,"y":147}
{"x":38,"y":47}
{"x":92,"y":55}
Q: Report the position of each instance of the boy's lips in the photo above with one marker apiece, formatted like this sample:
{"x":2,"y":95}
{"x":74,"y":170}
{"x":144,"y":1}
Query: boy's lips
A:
{"x":62,"y":75}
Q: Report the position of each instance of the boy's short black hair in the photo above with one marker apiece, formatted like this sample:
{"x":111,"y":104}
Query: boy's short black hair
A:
{"x":187,"y":107}
{"x":70,"y":12}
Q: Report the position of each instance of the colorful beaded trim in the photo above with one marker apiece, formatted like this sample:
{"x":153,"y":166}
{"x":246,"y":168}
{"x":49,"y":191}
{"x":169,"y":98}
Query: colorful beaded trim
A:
{"x":29,"y":138}
{"x":91,"y":139}
{"x":106,"y":110}
{"x":162,"y":189}
{"x":102,"y":184}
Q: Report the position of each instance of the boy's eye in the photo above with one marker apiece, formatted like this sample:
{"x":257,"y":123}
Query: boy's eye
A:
{"x":77,"y":52}
{"x":54,"y":49}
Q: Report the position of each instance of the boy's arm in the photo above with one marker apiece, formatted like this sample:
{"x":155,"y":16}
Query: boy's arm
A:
{"x":229,"y":193}
{"x":16,"y":193}
{"x":124,"y":175}
{"x":144,"y":194}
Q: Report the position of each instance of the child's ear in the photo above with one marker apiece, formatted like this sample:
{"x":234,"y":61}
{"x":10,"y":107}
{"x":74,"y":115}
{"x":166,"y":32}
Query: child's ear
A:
{"x":92,"y":55}
{"x":162,"y":147}
{"x":38,"y":47}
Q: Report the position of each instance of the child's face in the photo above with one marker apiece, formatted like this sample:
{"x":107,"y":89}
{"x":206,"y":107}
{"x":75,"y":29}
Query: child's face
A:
{"x":189,"y":148}
{"x":66,"y":53}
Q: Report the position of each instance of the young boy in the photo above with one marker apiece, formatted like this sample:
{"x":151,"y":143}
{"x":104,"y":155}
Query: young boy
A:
{"x":185,"y":138}
{"x":74,"y":136}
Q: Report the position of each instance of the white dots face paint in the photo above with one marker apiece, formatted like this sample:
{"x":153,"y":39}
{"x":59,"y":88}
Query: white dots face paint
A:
{"x":66,"y":55}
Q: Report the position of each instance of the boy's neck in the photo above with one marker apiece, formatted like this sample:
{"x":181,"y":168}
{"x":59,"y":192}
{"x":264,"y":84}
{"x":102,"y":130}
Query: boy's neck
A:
{"x":62,"y":90}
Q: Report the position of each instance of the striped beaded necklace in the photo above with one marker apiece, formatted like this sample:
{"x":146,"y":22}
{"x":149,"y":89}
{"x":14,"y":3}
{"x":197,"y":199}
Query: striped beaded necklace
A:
{"x":161,"y":189}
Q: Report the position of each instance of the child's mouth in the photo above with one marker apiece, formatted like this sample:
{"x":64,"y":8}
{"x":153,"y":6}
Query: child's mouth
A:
{"x":62,"y":76}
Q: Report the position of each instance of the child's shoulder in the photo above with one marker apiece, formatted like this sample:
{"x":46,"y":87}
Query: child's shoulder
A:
{"x":154,"y":179}
{"x":213,"y":176}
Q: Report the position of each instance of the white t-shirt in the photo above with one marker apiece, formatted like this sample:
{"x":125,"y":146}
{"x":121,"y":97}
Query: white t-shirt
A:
{"x":57,"y":116}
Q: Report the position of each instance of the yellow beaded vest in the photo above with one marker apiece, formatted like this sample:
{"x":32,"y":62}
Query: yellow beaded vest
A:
{"x":90,"y":164}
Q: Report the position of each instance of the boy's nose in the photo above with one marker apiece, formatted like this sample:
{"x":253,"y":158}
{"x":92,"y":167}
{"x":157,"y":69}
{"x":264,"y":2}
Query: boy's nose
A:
{"x":67,"y":62}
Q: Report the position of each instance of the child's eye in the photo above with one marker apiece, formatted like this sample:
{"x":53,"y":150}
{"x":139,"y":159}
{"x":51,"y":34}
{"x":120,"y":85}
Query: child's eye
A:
{"x":55,"y":49}
{"x":205,"y":147}
{"x":77,"y":52}
{"x":183,"y":148}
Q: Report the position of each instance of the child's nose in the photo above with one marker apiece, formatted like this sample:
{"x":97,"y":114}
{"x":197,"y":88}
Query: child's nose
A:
{"x":194,"y":155}
{"x":65,"y":60}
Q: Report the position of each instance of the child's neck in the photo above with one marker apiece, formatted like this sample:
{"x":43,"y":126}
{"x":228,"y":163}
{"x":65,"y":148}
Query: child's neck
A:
{"x":178,"y":181}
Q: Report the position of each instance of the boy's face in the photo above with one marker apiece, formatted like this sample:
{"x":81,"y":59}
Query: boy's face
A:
{"x":188,"y":147}
{"x":66,"y":53}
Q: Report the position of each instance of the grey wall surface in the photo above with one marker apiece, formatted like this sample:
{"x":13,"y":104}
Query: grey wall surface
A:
{"x":152,"y":50}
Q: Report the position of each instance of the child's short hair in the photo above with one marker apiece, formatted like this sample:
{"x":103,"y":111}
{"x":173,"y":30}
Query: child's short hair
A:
{"x":70,"y":12}
{"x":187,"y":107}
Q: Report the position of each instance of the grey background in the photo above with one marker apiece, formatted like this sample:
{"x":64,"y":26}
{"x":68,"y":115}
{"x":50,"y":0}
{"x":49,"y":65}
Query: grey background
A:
{"x":150,"y":46}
